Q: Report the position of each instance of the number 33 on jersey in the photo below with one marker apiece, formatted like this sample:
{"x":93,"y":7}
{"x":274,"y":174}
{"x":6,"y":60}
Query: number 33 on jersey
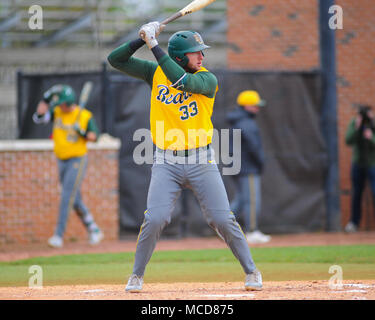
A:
{"x":185,"y":117}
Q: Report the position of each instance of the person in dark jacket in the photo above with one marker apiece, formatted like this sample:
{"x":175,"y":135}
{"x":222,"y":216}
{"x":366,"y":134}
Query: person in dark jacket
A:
{"x":247,"y":201}
{"x":360,"y":135}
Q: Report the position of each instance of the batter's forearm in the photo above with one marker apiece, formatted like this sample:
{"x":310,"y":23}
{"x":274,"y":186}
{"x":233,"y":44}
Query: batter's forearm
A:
{"x":122,"y":53}
{"x":203,"y":83}
{"x":92,"y":130}
{"x":171,"y":69}
{"x":122,"y":60}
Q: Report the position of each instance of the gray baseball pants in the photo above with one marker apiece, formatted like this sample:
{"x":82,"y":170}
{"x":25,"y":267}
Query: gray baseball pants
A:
{"x":71,"y":174}
{"x":199,"y":172}
{"x":247,"y":201}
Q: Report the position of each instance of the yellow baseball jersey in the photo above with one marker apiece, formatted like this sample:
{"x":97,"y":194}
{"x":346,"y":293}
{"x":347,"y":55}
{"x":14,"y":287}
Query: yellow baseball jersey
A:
{"x":179,"y":120}
{"x":67,"y":142}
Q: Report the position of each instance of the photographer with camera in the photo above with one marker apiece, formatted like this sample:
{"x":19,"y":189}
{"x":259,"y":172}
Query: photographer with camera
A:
{"x":360,"y":135}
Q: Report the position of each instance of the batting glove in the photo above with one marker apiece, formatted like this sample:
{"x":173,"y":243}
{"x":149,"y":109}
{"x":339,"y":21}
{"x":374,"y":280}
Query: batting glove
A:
{"x":149,"y":32}
{"x":157,"y":26}
{"x":80,"y":131}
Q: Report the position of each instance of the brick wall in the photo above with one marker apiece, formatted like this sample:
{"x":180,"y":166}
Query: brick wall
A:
{"x":281,"y":35}
{"x":30,"y":192}
{"x":355,"y":45}
{"x":284,"y":35}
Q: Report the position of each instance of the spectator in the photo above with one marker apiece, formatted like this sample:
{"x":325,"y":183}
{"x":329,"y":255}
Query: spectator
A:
{"x":247,"y":201}
{"x":360,"y":136}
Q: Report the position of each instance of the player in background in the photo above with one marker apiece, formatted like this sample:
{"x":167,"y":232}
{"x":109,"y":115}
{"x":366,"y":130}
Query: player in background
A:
{"x":247,"y":200}
{"x":360,"y":136}
{"x":182,"y":98}
{"x":72,"y":129}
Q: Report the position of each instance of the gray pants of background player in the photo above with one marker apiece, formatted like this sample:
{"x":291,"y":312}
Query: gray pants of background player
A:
{"x":167,"y":180}
{"x":247,"y":201}
{"x":71,"y":174}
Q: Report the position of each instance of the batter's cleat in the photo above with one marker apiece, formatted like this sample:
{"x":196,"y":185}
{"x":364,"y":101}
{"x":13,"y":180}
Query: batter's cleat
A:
{"x":95,"y":237}
{"x":135,"y":284}
{"x":253,"y":281}
{"x":257,"y":237}
{"x":351,"y":227}
{"x":55,"y":242}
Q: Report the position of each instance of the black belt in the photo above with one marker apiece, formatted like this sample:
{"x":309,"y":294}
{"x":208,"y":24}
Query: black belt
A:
{"x":184,"y":153}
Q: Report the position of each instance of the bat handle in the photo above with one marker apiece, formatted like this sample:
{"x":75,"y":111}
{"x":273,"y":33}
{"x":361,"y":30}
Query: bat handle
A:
{"x":172,"y":18}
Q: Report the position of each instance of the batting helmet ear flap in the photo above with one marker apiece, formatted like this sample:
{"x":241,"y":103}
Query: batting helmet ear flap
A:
{"x":182,"y":61}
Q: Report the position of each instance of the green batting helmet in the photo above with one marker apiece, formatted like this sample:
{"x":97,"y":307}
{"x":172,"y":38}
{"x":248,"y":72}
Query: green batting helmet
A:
{"x":183,"y":42}
{"x":63,"y":94}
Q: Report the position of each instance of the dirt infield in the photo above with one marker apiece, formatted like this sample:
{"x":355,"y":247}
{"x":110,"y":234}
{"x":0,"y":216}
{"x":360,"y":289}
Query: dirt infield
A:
{"x":280,"y":290}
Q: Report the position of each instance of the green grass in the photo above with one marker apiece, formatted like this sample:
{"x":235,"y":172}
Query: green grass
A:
{"x":276,"y":264}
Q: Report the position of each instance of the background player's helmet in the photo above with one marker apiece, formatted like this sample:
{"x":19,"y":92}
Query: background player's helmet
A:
{"x":183,"y":42}
{"x":250,"y":97}
{"x":63,"y":94}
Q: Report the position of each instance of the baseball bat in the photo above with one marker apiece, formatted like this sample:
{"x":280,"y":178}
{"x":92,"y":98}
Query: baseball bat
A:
{"x":84,"y":97}
{"x":85,"y":94}
{"x":191,"y":7}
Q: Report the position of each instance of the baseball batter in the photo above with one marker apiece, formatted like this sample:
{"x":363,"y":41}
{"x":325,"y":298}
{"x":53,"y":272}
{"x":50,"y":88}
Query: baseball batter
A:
{"x":72,"y":129}
{"x":182,"y":99}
